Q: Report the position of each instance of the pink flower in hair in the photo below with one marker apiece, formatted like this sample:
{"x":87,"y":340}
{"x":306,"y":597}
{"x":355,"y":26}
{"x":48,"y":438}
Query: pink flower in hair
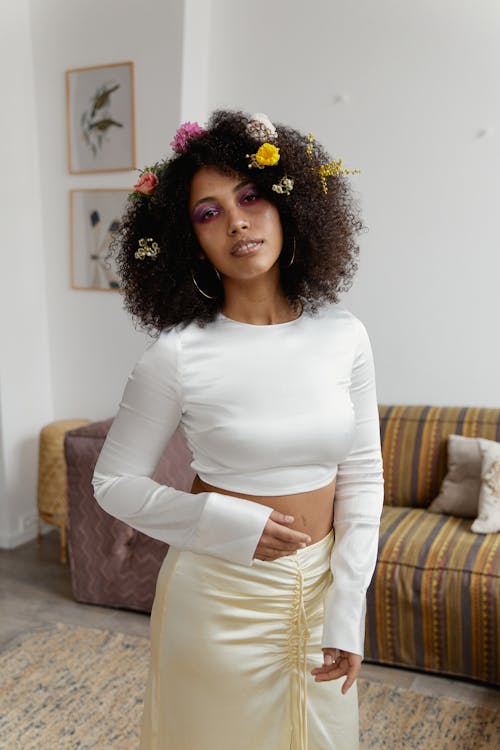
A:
{"x":183,"y":134}
{"x":146,"y":183}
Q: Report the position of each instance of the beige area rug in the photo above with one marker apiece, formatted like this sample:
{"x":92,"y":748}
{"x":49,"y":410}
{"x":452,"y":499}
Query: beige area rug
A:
{"x":76,"y":688}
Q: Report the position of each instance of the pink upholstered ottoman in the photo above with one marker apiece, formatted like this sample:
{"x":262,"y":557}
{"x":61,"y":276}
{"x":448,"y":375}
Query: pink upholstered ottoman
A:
{"x":112,"y":564}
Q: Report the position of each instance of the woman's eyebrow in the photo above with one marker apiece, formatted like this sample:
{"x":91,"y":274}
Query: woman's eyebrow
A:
{"x":235,"y":189}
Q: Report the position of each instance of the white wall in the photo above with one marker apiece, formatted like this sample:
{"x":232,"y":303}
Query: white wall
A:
{"x":64,"y":352}
{"x":399,"y":89}
{"x":25,"y":368}
{"x":92,"y":340}
{"x":419,"y":82}
{"x":196,"y":45}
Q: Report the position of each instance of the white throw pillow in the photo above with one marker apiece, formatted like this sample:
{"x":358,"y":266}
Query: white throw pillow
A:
{"x":488,"y":520}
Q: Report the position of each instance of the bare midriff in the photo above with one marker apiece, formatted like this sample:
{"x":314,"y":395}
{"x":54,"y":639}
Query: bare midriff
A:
{"x":312,"y":510}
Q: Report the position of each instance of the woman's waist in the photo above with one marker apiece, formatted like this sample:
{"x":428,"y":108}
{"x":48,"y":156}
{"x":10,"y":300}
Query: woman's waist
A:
{"x":307,"y":570}
{"x":312,"y":510}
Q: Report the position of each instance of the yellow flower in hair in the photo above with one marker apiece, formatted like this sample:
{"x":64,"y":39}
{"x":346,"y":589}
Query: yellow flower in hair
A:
{"x":267,"y":155}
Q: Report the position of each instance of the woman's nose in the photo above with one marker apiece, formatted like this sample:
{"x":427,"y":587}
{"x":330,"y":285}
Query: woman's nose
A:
{"x":236,"y":223}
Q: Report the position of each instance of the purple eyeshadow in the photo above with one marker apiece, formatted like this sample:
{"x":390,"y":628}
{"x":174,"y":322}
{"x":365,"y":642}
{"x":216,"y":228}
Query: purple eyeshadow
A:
{"x":250,"y":191}
{"x":201,"y":211}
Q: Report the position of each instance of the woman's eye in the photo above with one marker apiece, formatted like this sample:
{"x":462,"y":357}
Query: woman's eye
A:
{"x":208,"y":214}
{"x":250,"y":197}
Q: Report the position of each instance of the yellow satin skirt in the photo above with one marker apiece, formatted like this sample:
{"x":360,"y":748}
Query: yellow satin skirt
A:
{"x":232,"y":648}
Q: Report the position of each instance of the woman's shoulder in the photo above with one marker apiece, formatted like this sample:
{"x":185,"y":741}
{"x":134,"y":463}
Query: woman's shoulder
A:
{"x":340,"y":313}
{"x":346,"y":322}
{"x":160,"y":351}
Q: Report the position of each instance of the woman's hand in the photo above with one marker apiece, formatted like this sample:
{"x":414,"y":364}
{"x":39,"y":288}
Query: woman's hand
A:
{"x":277,"y":540}
{"x":336,"y":664}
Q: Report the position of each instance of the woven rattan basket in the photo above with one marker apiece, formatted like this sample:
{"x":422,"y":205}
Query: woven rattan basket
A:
{"x":52,"y":485}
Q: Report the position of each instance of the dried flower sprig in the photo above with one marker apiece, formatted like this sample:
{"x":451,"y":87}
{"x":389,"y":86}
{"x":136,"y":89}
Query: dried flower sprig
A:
{"x":146,"y":249}
{"x":284,"y":186}
{"x":260,"y":128}
{"x":331,"y":169}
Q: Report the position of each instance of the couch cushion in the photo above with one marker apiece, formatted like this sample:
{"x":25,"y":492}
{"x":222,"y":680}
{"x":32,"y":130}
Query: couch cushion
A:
{"x":488,"y":520}
{"x":414,"y":451}
{"x":434,"y":602}
{"x":414,"y":537}
{"x":459,"y":493}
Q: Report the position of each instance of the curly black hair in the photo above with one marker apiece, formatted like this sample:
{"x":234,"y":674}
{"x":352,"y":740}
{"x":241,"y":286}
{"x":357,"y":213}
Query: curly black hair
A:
{"x":159,"y":292}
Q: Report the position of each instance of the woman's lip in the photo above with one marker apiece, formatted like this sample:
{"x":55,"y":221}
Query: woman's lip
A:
{"x":248,"y":251}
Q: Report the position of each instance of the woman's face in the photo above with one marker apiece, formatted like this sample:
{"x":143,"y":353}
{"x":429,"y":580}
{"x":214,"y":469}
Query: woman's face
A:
{"x":229,"y":214}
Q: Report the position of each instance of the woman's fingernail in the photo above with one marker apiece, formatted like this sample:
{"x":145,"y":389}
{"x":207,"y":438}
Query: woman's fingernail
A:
{"x":288,"y":518}
{"x":328,"y":659}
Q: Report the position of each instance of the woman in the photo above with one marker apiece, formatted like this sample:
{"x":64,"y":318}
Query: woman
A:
{"x":233,"y":251}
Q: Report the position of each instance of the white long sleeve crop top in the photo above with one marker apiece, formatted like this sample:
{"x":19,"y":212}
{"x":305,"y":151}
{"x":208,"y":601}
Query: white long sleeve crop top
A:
{"x":265,"y":410}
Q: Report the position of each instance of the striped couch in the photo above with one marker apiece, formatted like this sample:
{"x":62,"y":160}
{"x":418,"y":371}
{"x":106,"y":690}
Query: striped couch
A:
{"x":434,"y":601}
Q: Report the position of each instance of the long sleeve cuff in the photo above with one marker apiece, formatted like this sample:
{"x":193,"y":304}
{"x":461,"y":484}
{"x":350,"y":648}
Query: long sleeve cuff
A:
{"x":344,"y":620}
{"x":231,"y":527}
{"x":352,"y":562}
{"x":208,"y":522}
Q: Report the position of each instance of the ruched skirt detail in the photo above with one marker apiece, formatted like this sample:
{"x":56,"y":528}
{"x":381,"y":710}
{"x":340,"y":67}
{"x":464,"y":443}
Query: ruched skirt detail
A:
{"x":232,"y":648}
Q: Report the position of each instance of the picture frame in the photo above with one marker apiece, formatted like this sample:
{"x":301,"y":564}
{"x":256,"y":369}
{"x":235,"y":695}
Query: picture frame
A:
{"x":95,"y":216}
{"x":100,"y":118}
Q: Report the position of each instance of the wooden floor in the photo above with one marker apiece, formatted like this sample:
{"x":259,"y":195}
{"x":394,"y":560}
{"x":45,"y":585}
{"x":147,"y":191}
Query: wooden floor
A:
{"x":35,"y":589}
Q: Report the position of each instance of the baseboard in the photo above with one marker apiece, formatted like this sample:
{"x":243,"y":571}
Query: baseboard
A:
{"x":15,"y":539}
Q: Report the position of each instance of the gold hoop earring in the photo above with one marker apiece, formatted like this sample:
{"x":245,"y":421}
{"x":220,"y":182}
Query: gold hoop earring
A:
{"x":293,"y":254}
{"x":208,"y":296}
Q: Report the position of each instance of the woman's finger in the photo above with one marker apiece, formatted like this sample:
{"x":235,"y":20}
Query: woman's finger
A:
{"x":282,"y":553}
{"x":344,"y":665}
{"x":331,"y":656}
{"x":278,"y":517}
{"x":332,"y":672}
{"x":333,"y":675}
{"x":270,"y":554}
{"x":351,"y":676}
{"x":262,"y":553}
{"x":282,"y":534}
{"x":271,"y":544}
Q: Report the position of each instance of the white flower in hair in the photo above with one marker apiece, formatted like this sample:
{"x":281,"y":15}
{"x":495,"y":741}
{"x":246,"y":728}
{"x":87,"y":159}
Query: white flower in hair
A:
{"x":284,"y":186}
{"x":261,"y":128}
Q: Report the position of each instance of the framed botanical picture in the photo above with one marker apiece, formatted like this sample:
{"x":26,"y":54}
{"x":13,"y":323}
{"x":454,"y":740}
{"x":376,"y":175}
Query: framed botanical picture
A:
{"x":95,"y":216}
{"x":100,"y":118}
